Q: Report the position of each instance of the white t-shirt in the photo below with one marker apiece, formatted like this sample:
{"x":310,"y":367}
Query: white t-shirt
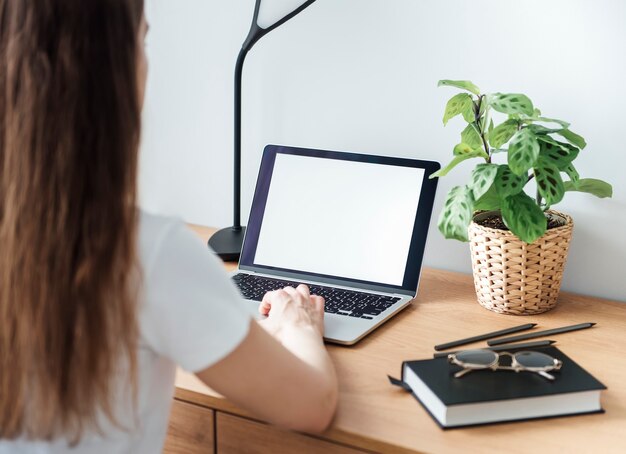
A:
{"x":190,"y":315}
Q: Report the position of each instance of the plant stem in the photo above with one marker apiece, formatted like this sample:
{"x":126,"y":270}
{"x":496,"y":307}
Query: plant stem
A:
{"x":481,"y":132}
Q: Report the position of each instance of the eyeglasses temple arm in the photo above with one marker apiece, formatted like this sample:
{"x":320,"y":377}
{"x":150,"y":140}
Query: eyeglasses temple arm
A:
{"x":546,"y":375}
{"x":460,"y":373}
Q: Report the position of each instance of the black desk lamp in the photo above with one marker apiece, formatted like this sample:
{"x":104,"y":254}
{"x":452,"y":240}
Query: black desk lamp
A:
{"x":227,"y":242}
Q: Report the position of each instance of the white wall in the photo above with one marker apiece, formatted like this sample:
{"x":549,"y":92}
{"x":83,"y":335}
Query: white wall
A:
{"x":360,"y":75}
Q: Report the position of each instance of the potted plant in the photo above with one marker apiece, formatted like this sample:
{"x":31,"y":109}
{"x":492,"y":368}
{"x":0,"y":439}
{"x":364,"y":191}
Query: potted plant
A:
{"x":518,"y":243}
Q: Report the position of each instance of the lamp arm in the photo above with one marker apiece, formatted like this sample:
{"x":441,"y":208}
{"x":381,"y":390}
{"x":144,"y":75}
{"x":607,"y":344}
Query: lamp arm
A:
{"x":257,"y":32}
{"x":227,"y":242}
{"x":237,"y":141}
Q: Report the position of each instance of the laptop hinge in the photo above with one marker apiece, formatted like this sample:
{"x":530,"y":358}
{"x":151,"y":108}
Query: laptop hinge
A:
{"x":327,"y":281}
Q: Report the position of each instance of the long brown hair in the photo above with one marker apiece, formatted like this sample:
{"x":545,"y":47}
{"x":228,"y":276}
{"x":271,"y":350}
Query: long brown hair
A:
{"x":69,"y":133}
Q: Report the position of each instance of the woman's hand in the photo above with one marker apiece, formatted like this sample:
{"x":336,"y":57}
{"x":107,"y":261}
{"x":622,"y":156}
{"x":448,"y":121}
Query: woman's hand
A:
{"x":292,"y":308}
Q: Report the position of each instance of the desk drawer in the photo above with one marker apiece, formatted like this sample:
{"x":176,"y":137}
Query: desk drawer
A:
{"x":241,"y":435}
{"x":191,"y":430}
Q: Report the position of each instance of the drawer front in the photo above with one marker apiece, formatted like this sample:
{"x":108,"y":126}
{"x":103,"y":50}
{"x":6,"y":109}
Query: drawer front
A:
{"x":241,"y":435}
{"x":191,"y":430}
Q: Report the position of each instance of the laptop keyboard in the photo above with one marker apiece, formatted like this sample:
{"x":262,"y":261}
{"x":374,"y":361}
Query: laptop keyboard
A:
{"x":338,"y":301}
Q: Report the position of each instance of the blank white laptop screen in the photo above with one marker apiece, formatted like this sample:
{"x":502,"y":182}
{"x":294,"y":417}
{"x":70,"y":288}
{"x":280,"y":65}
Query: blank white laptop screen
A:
{"x":339,"y":218}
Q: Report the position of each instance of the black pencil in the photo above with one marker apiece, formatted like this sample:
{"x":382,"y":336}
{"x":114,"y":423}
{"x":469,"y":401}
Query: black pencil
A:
{"x":486,"y":336}
{"x":502,"y":348}
{"x":548,"y":332}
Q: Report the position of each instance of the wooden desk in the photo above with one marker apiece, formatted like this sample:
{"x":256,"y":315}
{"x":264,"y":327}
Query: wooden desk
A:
{"x":374,"y":416}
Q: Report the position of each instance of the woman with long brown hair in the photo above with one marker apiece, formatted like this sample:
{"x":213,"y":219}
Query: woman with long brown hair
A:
{"x":99,"y":302}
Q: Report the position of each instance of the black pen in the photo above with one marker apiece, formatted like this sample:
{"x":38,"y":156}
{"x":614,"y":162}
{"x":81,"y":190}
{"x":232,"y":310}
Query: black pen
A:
{"x":486,"y":336}
{"x":502,"y":348}
{"x":548,"y":332}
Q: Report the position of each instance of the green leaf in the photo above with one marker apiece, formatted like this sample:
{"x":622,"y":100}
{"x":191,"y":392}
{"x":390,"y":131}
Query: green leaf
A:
{"x":471,"y":137}
{"x":556,"y":143}
{"x":571,"y":171}
{"x":490,"y":130}
{"x":482,"y":179}
{"x":489,"y":201}
{"x":468,"y":113}
{"x":511,"y":103}
{"x":462,"y":84}
{"x":573,"y":138}
{"x":456,"y":105}
{"x":507,"y":183}
{"x":556,"y":153}
{"x":456,"y":213}
{"x":563,"y":124}
{"x":523,"y":151}
{"x":523,"y":217}
{"x":502,"y":133}
{"x":598,"y":188}
{"x":457,"y":160}
{"x":549,"y":183}
{"x":461,"y":149}
{"x":542,"y":130}
{"x":483,"y":105}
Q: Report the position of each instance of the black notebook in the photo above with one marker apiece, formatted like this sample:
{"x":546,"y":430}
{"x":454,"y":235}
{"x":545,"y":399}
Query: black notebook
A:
{"x":486,"y":396}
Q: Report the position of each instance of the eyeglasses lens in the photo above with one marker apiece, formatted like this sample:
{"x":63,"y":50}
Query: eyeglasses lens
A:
{"x":534,"y":359}
{"x":477,"y":357}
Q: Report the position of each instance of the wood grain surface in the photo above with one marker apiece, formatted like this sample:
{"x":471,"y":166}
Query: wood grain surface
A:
{"x":191,"y":430}
{"x":236,"y":434}
{"x":375,"y":416}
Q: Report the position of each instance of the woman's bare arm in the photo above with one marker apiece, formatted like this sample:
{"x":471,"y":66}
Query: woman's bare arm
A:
{"x":281,"y":371}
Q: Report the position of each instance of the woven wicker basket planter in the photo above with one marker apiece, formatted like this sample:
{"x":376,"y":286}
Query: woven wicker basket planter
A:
{"x":516,"y":278}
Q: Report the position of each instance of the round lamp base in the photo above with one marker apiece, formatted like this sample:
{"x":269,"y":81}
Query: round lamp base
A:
{"x":226,"y":243}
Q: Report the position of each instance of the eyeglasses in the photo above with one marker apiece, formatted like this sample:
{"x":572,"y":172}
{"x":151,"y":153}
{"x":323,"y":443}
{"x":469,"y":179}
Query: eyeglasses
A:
{"x":537,"y":362}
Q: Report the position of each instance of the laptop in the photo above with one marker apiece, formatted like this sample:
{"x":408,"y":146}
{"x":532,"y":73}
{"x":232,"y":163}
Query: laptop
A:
{"x":350,"y":226}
